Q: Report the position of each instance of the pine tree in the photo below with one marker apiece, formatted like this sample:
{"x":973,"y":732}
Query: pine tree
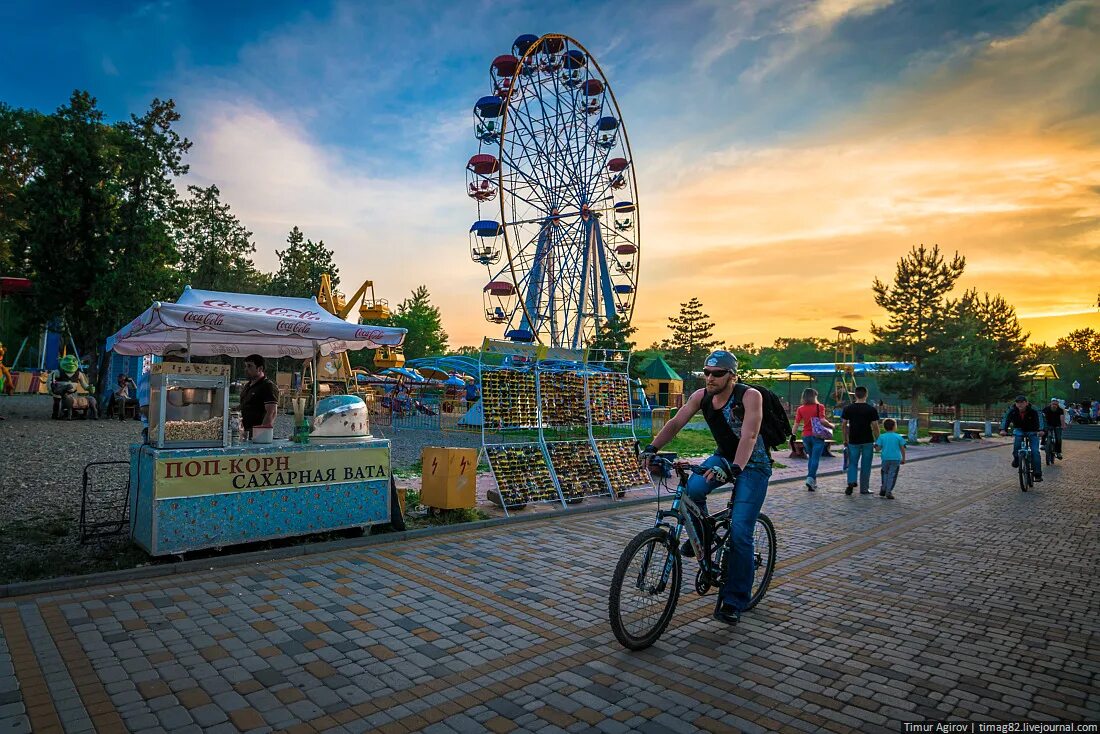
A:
{"x":426,"y":336}
{"x":692,"y":338}
{"x":214,"y":247}
{"x":301,"y":266}
{"x":916,"y":304}
{"x":614,"y":334}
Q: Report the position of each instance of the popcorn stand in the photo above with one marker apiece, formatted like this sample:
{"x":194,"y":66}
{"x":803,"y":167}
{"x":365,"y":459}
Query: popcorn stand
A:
{"x":190,"y":486}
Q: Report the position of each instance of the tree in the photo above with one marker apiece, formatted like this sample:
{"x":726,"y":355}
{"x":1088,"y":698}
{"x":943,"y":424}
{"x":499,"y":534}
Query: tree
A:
{"x":692,"y":338}
{"x":426,"y":336}
{"x":614,"y":334}
{"x":916,"y":304}
{"x":301,"y":265}
{"x":465,"y":352}
{"x":19,"y":131}
{"x":215,"y":249}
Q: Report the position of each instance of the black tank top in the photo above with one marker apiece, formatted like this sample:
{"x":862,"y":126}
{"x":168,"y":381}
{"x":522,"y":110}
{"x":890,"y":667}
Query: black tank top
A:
{"x":720,"y":428}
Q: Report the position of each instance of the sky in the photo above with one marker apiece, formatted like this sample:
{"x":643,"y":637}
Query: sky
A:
{"x":787,"y":153}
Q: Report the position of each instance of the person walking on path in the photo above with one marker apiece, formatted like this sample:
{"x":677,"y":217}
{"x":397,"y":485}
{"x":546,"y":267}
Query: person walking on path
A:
{"x":861,"y":428}
{"x":815,"y":429}
{"x":892,"y":447}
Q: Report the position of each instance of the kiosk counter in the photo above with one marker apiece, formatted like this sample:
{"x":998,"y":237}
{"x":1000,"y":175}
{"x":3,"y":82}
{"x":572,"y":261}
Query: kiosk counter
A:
{"x":188,"y":499}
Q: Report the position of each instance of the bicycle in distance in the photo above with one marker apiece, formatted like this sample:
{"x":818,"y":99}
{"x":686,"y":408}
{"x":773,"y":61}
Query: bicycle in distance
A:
{"x":646,"y":585}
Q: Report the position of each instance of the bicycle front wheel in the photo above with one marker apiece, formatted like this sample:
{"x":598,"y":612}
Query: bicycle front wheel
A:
{"x":645,"y":589}
{"x":763,"y":542}
{"x":1024,"y":479}
{"x":1050,"y":452}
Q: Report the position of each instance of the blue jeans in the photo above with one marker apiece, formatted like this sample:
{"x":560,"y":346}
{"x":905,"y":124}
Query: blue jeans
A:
{"x":890,"y":474}
{"x":749,"y":494}
{"x":1036,"y":461}
{"x":814,"y":448}
{"x":861,"y":455}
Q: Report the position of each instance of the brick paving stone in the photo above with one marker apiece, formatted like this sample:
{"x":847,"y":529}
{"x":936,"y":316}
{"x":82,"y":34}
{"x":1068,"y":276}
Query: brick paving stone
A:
{"x":936,"y":604}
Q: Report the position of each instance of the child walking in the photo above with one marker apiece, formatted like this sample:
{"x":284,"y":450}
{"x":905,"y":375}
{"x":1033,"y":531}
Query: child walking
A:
{"x":893,"y":456}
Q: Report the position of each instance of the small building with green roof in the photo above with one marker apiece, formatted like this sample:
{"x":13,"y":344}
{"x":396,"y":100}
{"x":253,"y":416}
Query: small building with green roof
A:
{"x":662,"y":385}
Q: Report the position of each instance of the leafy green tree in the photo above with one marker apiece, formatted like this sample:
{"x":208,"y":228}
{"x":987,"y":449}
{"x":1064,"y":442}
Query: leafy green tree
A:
{"x":19,"y":131}
{"x":916,"y":305}
{"x":301,"y":265}
{"x":464,"y":352}
{"x":692,"y":338}
{"x":426,"y":336}
{"x":215,"y":249}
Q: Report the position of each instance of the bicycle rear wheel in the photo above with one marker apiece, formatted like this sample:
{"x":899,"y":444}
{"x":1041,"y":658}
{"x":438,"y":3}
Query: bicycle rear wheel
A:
{"x":763,"y":541}
{"x":1049,"y":446}
{"x":1025,"y":470}
{"x":643,"y":598}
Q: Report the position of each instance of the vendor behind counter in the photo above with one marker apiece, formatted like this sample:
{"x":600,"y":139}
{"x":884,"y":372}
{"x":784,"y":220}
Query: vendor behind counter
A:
{"x":259,"y":397}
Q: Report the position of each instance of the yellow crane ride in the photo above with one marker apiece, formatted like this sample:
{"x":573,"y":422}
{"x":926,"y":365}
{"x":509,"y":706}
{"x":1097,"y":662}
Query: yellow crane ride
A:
{"x":337,"y":368}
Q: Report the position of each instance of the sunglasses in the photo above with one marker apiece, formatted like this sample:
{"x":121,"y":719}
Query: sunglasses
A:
{"x":715,"y":373}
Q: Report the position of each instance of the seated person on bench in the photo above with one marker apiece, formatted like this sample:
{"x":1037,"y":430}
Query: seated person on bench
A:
{"x":123,"y":396}
{"x":63,"y":382}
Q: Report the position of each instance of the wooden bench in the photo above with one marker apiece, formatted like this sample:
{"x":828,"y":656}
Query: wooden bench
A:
{"x":828,"y":445}
{"x":940,"y":436}
{"x":973,"y":432}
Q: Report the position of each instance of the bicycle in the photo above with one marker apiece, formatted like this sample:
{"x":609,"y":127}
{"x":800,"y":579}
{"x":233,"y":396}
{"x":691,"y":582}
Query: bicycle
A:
{"x":650,"y":568}
{"x":1027,"y":472}
{"x":1048,"y":448}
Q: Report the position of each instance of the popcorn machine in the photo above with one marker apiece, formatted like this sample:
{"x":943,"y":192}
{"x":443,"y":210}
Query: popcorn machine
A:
{"x":189,"y":405}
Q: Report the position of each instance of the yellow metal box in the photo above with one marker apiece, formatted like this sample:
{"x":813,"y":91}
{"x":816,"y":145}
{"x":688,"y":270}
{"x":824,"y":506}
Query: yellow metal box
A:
{"x":449,"y":478}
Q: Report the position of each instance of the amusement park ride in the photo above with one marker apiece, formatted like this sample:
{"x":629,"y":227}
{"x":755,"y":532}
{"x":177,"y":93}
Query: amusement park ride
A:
{"x":844,"y":384}
{"x":336,"y":368}
{"x":553,"y":179}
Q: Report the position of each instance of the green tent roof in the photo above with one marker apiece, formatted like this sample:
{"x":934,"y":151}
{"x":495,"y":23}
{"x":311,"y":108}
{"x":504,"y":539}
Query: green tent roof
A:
{"x":657,"y":369}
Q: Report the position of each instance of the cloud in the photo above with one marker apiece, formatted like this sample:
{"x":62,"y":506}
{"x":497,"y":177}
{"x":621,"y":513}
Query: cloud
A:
{"x":400,"y":229}
{"x":996,"y":157}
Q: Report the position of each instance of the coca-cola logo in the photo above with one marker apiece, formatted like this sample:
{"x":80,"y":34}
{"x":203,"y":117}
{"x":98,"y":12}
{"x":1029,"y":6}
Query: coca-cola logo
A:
{"x":368,"y":334}
{"x":225,"y":349}
{"x":291,"y":351}
{"x":280,"y":311}
{"x":292,"y":327}
{"x":204,"y":319}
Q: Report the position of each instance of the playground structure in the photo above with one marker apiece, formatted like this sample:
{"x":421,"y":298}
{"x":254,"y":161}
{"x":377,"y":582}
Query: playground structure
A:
{"x":553,"y":181}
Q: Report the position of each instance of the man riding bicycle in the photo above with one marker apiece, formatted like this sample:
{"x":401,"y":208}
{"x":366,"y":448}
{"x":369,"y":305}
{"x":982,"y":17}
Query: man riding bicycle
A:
{"x":1025,"y":421}
{"x":1055,"y":418}
{"x":733,"y":413}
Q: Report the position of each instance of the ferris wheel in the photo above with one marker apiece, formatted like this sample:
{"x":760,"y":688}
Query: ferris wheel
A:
{"x":557,"y":225}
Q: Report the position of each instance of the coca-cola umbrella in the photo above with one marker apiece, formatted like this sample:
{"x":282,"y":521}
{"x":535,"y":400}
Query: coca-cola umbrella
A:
{"x":236,"y":324}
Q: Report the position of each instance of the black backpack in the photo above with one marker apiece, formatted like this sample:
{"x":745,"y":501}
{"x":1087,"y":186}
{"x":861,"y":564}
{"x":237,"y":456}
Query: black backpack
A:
{"x":775,"y":426}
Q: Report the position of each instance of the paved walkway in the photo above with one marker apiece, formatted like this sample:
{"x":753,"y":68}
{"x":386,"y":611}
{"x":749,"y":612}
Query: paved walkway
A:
{"x":792,"y":469}
{"x":964,"y":597}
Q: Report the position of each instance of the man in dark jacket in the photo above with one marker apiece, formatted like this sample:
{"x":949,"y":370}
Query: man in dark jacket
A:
{"x":1025,"y":421}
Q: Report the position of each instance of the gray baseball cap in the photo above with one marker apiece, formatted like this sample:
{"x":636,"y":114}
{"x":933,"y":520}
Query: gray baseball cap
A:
{"x":722,"y":360}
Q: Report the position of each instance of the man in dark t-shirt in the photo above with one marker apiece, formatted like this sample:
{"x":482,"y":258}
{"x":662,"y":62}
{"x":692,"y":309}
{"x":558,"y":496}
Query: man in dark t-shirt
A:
{"x":259,"y":398}
{"x":1056,"y":418}
{"x":859,"y":422}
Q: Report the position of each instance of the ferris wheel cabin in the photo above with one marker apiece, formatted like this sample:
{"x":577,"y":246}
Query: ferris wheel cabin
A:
{"x":499,"y":298}
{"x":608,"y":128}
{"x":479,"y":172}
{"x":487,"y":113}
{"x":485,"y":242}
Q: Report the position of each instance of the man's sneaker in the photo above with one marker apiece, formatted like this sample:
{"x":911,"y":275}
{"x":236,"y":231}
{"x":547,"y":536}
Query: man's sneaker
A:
{"x":1038,"y":478}
{"x":726,"y":613}
{"x":849,"y":489}
{"x":811,"y":484}
{"x":686,"y":550}
{"x":1058,"y":457}
{"x":865,"y":491}
{"x":1015,"y":462}
{"x":890,"y":496}
{"x":882,"y":493}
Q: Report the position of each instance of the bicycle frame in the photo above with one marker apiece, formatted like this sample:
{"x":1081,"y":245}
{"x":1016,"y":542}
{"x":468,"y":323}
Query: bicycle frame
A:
{"x":689,"y":517}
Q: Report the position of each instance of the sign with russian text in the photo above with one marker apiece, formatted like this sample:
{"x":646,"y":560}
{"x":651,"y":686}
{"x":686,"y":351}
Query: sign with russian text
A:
{"x":204,"y":475}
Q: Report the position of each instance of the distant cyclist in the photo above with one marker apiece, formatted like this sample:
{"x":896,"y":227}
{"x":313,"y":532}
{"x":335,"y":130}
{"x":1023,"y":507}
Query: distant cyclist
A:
{"x":733,"y":413}
{"x":1024,"y":420}
{"x":1055,"y":419}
